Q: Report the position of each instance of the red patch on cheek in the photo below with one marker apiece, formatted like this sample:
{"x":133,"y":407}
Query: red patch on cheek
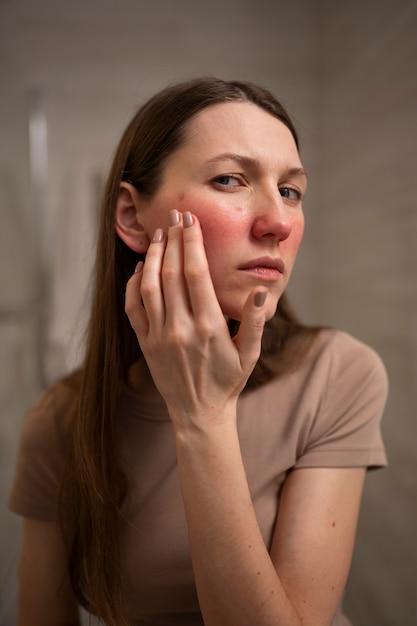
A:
{"x":296,"y":235}
{"x":298,"y":228}
{"x":220,"y":225}
{"x":222,"y":236}
{"x":290,"y":246}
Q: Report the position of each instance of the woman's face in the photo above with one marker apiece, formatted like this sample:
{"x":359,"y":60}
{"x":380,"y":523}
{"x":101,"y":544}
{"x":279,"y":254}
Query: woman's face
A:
{"x":247,"y":209}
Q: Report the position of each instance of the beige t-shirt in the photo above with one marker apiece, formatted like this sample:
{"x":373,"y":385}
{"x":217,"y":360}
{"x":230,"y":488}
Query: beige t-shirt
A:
{"x":325,"y":414}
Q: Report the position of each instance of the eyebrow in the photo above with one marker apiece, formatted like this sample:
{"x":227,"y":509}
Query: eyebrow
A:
{"x":254,"y":163}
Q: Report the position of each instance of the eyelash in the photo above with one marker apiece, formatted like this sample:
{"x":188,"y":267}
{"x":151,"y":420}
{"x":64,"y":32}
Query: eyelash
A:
{"x":298,"y":193}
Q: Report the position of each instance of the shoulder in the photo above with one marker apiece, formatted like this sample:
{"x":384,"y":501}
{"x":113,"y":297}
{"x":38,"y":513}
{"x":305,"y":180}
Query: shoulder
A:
{"x":350,"y":385}
{"x":350,"y":376}
{"x":43,"y":446}
{"x":348,"y":358}
{"x":48,"y":418}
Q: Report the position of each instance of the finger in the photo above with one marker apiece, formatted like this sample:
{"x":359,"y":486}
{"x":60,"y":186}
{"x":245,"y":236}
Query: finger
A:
{"x":177,"y":305}
{"x":151,"y":288}
{"x":248,"y":339}
{"x":134,"y":308}
{"x":203,"y":297}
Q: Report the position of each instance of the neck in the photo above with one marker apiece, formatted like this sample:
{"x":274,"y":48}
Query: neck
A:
{"x":140,"y":378}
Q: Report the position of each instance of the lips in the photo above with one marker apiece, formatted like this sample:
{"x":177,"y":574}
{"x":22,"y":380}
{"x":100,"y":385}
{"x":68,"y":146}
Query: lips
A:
{"x":265,"y":262}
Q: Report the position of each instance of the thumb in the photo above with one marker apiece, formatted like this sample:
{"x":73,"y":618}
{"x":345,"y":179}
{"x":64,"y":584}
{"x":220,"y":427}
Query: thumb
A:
{"x":248,"y":339}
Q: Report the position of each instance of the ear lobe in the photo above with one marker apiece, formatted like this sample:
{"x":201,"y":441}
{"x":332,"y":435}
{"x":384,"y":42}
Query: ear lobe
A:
{"x":130,"y":231}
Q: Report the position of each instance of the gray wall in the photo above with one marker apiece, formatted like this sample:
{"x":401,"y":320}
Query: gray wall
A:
{"x":367,"y":216}
{"x":347,"y":74}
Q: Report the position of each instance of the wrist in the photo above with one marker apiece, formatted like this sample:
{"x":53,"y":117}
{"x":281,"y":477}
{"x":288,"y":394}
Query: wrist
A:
{"x":205,"y":426}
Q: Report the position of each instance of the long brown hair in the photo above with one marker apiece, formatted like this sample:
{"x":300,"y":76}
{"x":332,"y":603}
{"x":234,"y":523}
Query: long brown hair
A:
{"x":94,"y":485}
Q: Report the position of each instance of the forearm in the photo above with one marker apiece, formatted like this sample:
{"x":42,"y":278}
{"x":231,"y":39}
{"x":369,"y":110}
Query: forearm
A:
{"x":236,"y":581}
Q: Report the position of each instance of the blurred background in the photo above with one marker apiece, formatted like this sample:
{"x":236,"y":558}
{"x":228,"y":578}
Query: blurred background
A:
{"x":72,"y":74}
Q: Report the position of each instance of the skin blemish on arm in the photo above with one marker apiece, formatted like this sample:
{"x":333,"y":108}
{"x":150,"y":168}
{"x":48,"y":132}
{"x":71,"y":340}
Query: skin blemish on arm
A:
{"x":333,"y":523}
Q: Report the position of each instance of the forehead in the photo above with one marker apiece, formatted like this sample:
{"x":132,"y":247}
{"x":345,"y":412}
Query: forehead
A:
{"x":240,"y":127}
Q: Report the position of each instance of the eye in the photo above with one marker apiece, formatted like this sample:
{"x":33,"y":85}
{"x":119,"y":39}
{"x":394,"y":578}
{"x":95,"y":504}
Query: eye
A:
{"x":226,"y":177}
{"x":291,"y":194}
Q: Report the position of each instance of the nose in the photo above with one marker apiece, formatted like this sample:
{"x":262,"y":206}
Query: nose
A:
{"x":272,"y":217}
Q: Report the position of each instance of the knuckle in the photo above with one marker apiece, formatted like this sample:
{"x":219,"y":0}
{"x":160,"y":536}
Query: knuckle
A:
{"x":258,"y":324}
{"x":169,"y":274}
{"x":147,"y":289}
{"x":129,"y":309}
{"x":254,"y":358}
{"x":194,"y":273}
{"x":204,"y":328}
{"x":176,"y":336}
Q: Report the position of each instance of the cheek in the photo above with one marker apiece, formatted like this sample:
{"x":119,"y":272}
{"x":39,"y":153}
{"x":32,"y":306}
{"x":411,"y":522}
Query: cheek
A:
{"x":293,"y":242}
{"x":221,"y":234}
{"x":222,"y":227}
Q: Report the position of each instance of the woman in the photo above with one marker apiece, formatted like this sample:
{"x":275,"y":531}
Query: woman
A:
{"x":215,"y":448}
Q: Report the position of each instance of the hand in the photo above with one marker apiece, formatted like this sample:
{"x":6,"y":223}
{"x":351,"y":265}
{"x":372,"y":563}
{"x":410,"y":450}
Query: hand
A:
{"x":171,"y":304}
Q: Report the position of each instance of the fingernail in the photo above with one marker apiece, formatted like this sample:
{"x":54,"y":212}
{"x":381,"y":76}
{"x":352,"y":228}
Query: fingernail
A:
{"x":138,"y":267}
{"x":174,"y":217}
{"x":187,"y":219}
{"x":158,"y":235}
{"x":260,"y":298}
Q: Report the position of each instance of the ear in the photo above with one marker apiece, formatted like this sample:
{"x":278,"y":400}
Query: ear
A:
{"x":127,"y":226}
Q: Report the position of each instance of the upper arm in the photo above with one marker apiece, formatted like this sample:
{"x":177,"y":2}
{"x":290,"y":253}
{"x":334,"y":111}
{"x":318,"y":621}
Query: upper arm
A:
{"x":314,"y":538}
{"x":45,"y":594}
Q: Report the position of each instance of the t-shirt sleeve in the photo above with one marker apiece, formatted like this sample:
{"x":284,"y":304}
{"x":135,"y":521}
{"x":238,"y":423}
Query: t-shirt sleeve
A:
{"x":40,"y":460}
{"x":347,"y":429}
